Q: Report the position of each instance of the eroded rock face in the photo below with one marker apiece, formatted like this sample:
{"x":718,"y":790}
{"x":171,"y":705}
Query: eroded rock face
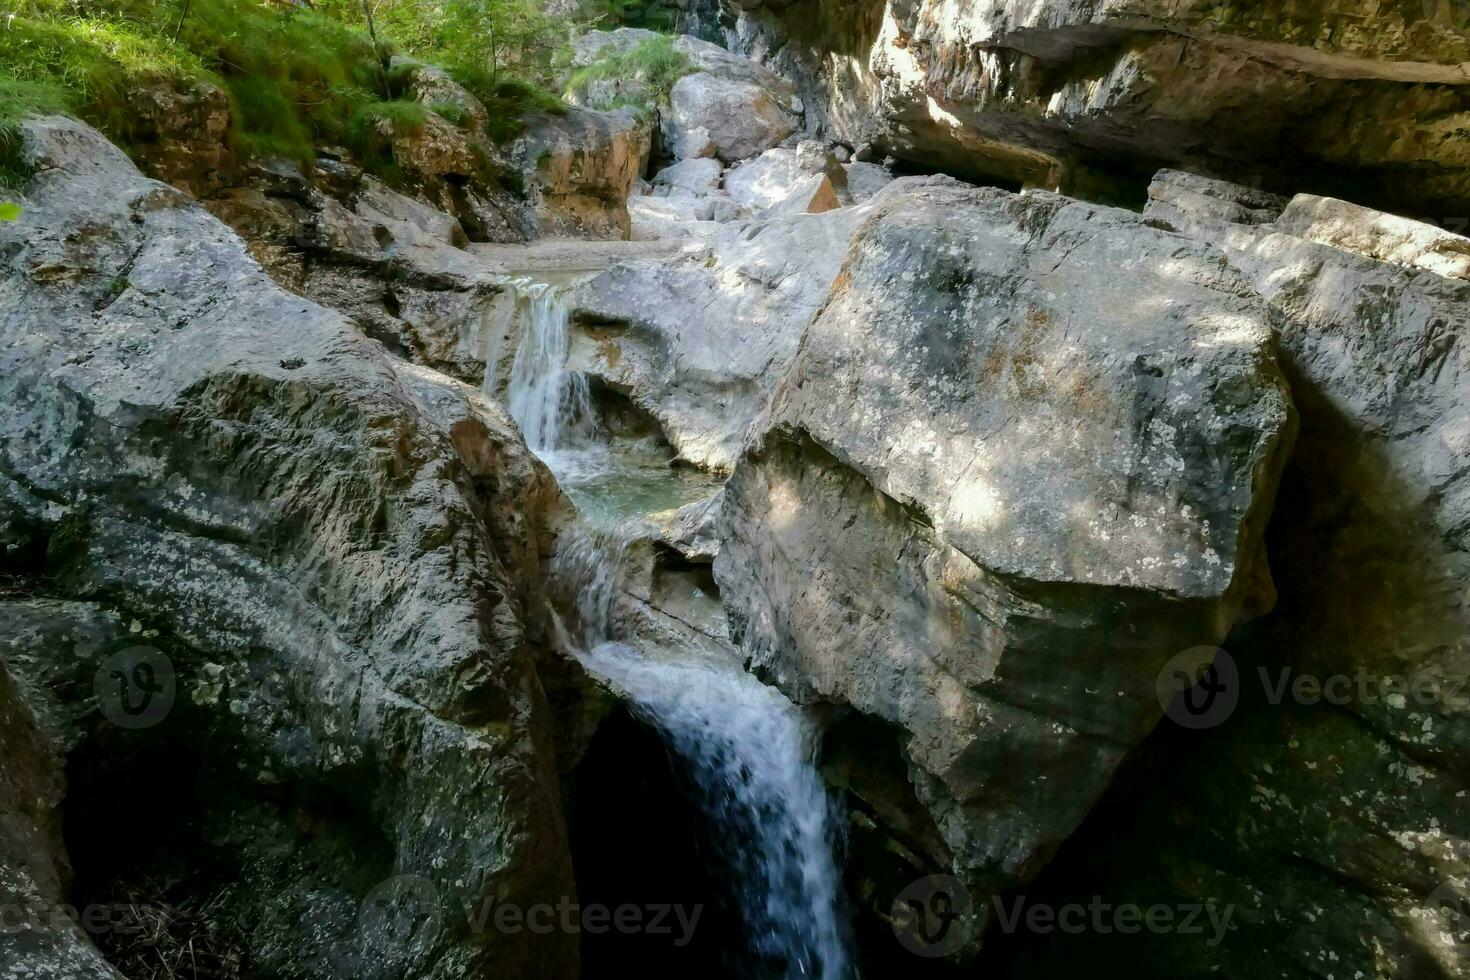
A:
{"x":392,"y":263}
{"x":1023,"y":457}
{"x":40,"y":941}
{"x":340,"y":552}
{"x":729,"y":107}
{"x":583,"y":165}
{"x":1330,"y":815}
{"x":1092,"y":97}
{"x":701,"y":342}
{"x":181,"y":134}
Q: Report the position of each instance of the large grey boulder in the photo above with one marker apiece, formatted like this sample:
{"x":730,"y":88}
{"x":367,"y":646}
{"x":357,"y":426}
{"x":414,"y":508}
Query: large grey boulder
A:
{"x":740,"y":117}
{"x":695,"y":176}
{"x":1333,"y":813}
{"x":1024,"y":456}
{"x":339,"y":552}
{"x":785,"y":180}
{"x":730,"y":106}
{"x":865,"y":179}
{"x":701,"y":341}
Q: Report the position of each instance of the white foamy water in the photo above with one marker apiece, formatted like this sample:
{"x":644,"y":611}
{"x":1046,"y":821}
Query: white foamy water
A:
{"x":552,"y":405}
{"x":749,"y":753}
{"x":747,"y":748}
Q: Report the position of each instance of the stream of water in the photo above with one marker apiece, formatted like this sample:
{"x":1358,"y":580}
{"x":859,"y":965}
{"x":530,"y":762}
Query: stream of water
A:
{"x":747,"y":749}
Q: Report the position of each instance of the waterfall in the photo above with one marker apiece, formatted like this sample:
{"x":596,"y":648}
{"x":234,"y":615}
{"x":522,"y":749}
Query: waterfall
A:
{"x":586,"y":563}
{"x":747,"y":749}
{"x":551,"y":404}
{"x":749,"y":754}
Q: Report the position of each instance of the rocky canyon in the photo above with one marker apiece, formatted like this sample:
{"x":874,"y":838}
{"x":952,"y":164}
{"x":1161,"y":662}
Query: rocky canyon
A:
{"x":754,"y":489}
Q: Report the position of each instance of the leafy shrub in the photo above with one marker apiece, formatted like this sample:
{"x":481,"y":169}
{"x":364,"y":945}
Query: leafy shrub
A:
{"x":295,"y":77}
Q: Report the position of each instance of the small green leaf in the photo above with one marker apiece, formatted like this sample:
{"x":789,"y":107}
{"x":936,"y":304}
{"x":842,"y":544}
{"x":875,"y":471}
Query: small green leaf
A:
{"x":9,"y":211}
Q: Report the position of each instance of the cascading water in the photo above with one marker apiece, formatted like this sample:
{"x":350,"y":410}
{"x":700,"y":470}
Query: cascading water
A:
{"x":746,"y":747}
{"x":552,"y":405}
{"x":748,"y":751}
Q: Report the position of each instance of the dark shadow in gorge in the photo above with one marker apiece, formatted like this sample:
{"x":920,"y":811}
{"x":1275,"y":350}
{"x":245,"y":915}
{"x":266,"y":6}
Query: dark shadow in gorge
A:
{"x":1259,"y":815}
{"x":192,"y":857}
{"x":638,"y":838}
{"x":891,"y":841}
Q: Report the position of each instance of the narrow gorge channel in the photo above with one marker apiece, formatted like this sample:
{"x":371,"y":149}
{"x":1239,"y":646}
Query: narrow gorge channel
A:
{"x":744,"y":755}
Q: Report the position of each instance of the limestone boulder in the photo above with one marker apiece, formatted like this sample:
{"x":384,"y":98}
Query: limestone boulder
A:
{"x":582,"y":165}
{"x":1023,"y":457}
{"x":865,"y":179}
{"x":741,"y":118}
{"x":338,"y":553}
{"x":700,"y":341}
{"x":790,"y":181}
{"x":700,"y":177}
{"x":730,"y":106}
{"x":1330,"y":812}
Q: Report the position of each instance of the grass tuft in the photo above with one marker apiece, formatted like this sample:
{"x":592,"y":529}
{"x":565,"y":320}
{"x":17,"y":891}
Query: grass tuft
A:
{"x":650,"y":67}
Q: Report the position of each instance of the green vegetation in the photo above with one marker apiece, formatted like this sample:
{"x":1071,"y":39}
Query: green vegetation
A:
{"x":9,"y":211}
{"x":645,"y":72}
{"x":296,"y":76}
